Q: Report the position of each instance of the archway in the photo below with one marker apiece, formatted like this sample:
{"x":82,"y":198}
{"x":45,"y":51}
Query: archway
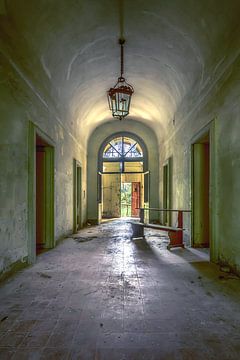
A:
{"x":122,"y":176}
{"x":98,"y":140}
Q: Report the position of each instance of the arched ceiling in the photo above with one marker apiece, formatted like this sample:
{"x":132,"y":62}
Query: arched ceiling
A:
{"x":68,"y":49}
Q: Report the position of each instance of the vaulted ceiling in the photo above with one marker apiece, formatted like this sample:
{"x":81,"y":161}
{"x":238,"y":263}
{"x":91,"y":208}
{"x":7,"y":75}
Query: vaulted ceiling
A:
{"x":68,"y":52}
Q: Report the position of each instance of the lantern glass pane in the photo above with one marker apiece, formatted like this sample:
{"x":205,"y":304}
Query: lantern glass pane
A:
{"x":114,"y":103}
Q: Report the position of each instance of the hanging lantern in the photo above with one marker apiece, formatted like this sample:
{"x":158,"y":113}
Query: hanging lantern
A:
{"x":119,"y":97}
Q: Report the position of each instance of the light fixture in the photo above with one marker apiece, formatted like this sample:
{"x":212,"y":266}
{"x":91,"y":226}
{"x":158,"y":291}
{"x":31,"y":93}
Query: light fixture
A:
{"x":119,"y":96}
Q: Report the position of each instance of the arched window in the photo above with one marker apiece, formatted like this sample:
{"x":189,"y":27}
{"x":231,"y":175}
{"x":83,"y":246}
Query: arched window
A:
{"x":122,"y":153}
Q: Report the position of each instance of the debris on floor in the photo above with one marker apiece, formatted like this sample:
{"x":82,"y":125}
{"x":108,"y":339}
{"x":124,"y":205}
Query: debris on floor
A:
{"x":84,"y":239}
{"x":43,"y":275}
{"x":225,"y":269}
{"x":4,"y":318}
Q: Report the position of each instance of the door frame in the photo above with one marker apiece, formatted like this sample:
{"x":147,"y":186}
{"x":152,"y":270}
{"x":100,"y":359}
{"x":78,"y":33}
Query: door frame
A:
{"x":167,"y":191}
{"x":33,"y":131}
{"x":210,"y":128}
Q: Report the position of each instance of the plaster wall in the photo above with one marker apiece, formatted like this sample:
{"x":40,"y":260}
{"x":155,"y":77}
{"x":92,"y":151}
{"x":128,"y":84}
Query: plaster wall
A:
{"x":218,"y":112}
{"x":95,"y":141}
{"x":19,"y":106}
{"x":228,"y":188}
{"x":13,"y":165}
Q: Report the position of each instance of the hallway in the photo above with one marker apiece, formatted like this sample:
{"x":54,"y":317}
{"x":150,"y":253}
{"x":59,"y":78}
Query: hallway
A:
{"x":102,"y":296}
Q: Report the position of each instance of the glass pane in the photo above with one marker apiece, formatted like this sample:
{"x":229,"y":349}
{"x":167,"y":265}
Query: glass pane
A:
{"x":110,"y":152}
{"x":132,"y":148}
{"x":117,"y":144}
{"x":112,"y":167}
{"x":135,"y":166}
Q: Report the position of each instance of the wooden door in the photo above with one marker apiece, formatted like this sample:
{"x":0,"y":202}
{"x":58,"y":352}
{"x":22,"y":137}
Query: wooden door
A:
{"x":77,"y":196}
{"x":200,"y":180}
{"x":111,"y":192}
{"x":44,"y":195}
{"x":135,"y":198}
{"x":40,"y":198}
{"x":79,"y":193}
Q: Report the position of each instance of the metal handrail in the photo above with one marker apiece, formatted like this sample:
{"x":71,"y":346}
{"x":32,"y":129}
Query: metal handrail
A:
{"x":156,"y":209}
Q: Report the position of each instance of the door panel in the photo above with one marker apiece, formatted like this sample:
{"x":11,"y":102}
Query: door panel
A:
{"x":135,"y":198}
{"x":201,"y":195}
{"x":78,"y":200}
{"x":44,"y":195}
{"x":111,"y":190}
{"x":40,"y":198}
{"x":77,"y":196}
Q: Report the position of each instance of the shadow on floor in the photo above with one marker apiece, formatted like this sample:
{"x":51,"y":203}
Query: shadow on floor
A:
{"x":141,"y":244}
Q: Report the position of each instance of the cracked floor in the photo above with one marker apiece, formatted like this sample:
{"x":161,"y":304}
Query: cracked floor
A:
{"x":100,"y":295}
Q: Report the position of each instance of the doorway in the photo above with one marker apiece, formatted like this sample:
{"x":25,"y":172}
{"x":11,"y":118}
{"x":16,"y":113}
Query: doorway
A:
{"x":122,"y":195}
{"x":126,"y":199}
{"x":200,"y":191}
{"x":130,"y":198}
{"x":123,"y":177}
{"x":77,"y":196}
{"x":44,"y":195}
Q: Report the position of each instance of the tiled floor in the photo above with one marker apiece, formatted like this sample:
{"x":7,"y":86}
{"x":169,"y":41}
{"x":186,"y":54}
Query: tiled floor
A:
{"x":103,"y":296}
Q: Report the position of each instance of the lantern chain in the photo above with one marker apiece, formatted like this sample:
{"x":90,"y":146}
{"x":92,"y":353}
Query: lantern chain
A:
{"x":121,"y":42}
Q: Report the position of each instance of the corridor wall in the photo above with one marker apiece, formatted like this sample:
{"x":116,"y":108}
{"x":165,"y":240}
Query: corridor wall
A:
{"x":212,"y":108}
{"x":20,"y":106}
